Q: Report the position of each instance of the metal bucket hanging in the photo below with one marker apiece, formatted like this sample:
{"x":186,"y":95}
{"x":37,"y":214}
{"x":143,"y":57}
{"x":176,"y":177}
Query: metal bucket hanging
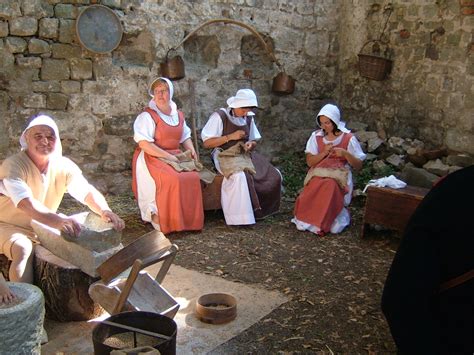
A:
{"x":173,"y":68}
{"x":373,"y":66}
{"x":283,"y":84}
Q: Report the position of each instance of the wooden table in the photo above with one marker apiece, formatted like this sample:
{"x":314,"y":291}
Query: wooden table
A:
{"x":391,"y":208}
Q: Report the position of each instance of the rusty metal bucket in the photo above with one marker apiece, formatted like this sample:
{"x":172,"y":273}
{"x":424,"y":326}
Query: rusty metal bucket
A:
{"x":173,"y":68}
{"x":283,"y":84}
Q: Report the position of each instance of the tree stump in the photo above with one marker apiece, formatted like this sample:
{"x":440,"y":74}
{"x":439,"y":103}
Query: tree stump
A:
{"x":65,"y":288}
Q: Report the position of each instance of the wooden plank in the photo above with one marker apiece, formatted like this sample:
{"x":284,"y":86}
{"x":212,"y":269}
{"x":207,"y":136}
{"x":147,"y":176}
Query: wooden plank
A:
{"x":211,"y":194}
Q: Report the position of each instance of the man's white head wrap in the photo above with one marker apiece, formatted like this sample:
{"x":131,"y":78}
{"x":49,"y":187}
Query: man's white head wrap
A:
{"x":333,"y":113}
{"x":43,"y":120}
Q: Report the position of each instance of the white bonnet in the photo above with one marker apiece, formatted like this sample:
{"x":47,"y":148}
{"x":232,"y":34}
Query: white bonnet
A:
{"x":333,"y":113}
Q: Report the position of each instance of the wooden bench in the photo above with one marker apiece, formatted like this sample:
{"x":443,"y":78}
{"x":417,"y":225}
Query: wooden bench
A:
{"x":211,"y":194}
{"x":391,"y":208}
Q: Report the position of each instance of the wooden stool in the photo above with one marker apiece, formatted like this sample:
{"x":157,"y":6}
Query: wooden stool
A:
{"x":391,"y":208}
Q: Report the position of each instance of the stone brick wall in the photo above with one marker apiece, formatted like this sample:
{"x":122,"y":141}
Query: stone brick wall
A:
{"x":96,"y":97}
{"x":429,"y":94}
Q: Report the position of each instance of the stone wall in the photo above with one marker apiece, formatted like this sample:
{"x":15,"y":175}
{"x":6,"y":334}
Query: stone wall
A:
{"x":96,"y":97}
{"x":429,"y":94}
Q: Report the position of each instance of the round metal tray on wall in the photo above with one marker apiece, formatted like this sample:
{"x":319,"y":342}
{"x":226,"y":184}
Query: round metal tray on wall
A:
{"x":99,"y":29}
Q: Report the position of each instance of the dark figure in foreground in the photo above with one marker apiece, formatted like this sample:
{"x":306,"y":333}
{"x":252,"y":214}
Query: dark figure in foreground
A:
{"x":429,"y":293}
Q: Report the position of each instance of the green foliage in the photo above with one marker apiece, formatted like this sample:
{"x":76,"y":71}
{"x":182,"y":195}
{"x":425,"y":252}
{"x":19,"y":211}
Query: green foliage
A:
{"x":293,"y":168}
{"x":362,"y":177}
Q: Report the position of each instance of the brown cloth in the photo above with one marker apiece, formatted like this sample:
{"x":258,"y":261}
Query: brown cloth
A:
{"x":187,"y":163}
{"x":235,"y":159}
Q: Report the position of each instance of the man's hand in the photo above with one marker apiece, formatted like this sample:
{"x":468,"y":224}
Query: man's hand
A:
{"x":69,"y":225}
{"x":111,"y":217}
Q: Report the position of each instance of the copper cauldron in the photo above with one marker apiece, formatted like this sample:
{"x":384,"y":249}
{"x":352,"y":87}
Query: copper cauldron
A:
{"x":173,"y":68}
{"x":283,"y":84}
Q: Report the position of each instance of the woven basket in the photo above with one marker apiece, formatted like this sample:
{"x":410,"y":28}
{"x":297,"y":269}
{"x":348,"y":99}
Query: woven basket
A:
{"x":372,"y":66}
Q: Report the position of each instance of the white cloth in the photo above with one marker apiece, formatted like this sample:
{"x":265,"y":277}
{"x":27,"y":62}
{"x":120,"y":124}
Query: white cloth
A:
{"x":387,"y":181}
{"x":78,"y":187}
{"x":333,"y":113}
{"x":144,"y":127}
{"x":235,"y":196}
{"x":243,"y":98}
{"x":343,"y":219}
{"x":43,"y":120}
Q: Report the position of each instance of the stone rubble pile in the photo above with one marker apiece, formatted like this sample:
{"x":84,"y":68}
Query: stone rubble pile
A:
{"x":412,"y":161}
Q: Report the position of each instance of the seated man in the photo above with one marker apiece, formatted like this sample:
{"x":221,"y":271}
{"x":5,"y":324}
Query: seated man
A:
{"x":244,"y":196}
{"x":32,"y":185}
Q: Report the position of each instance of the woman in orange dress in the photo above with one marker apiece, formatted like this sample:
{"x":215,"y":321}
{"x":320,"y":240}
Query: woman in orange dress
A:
{"x":320,"y":208}
{"x":171,"y":201}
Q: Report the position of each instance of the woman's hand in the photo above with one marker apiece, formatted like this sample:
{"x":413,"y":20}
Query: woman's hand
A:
{"x":340,"y":152}
{"x":327,"y":149}
{"x":111,"y":217}
{"x":250,"y":145}
{"x":236,"y":135}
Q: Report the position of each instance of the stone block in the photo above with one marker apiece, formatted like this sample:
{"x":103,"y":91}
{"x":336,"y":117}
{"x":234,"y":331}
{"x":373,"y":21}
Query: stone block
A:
{"x":29,"y":62}
{"x":81,"y":69}
{"x":67,"y":31}
{"x":55,"y":69}
{"x":96,"y":242}
{"x":34,"y":101}
{"x":37,"y":8}
{"x":70,"y":86}
{"x":56,"y":101}
{"x":66,"y":11}
{"x":115,"y":4}
{"x":66,"y":51}
{"x":462,"y":160}
{"x":46,"y":86}
{"x":9,"y":9}
{"x":38,"y":46}
{"x":436,"y":167}
{"x":48,"y":28}
{"x":23,"y":26}
{"x":15,"y":44}
{"x":418,"y":177}
{"x":3,"y":28}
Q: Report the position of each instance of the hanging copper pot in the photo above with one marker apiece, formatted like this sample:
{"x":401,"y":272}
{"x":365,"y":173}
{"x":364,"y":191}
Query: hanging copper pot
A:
{"x":173,"y":68}
{"x":283,"y":84}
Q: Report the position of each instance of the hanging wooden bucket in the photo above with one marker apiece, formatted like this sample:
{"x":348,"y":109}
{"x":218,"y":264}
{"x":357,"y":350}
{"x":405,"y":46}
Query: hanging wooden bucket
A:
{"x":283,"y":84}
{"x":173,"y":68}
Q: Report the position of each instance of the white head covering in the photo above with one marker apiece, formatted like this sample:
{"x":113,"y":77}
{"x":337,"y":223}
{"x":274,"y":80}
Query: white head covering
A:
{"x":168,"y":81}
{"x":333,"y":113}
{"x":43,"y":120}
{"x":243,"y":98}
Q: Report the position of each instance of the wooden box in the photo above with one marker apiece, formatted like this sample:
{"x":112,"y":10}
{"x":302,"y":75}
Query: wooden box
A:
{"x":391,"y":208}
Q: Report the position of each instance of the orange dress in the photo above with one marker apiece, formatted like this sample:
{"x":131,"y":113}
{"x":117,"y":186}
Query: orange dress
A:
{"x":178,"y":194}
{"x":322,"y":199}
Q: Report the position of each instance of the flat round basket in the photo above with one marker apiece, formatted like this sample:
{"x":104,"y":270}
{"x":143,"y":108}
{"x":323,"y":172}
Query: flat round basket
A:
{"x":99,"y":29}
